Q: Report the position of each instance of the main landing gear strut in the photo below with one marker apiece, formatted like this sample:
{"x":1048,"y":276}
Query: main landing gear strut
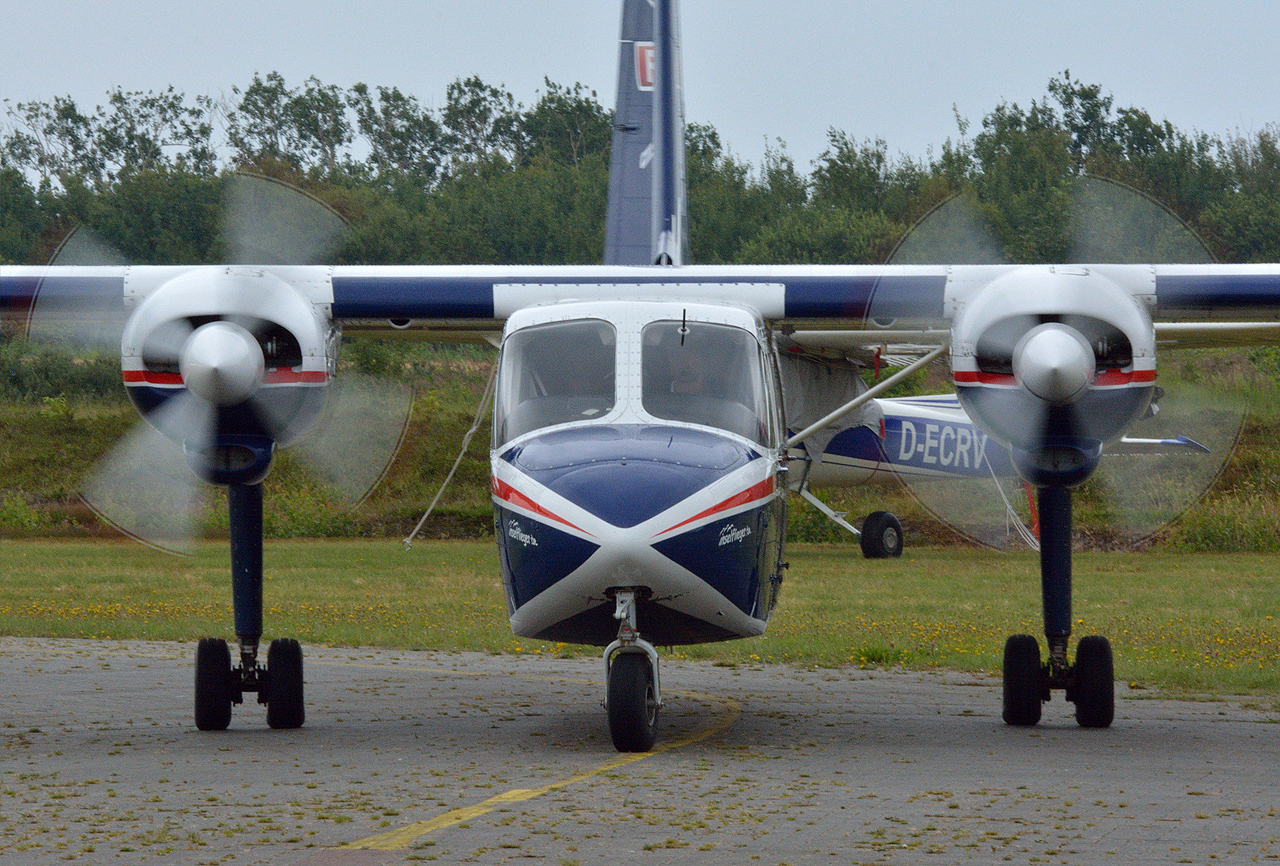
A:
{"x":218,"y":685}
{"x":632,"y":693}
{"x":1089,"y":683}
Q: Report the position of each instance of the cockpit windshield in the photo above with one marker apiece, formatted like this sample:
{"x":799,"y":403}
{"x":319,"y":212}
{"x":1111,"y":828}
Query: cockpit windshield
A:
{"x":553,"y":374}
{"x":704,"y":374}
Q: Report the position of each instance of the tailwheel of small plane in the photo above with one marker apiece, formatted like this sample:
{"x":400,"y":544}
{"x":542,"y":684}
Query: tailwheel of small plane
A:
{"x":881,"y":535}
{"x":633,"y":704}
{"x":1093,"y":685}
{"x":284,"y":684}
{"x":213,"y":684}
{"x":1023,"y":680}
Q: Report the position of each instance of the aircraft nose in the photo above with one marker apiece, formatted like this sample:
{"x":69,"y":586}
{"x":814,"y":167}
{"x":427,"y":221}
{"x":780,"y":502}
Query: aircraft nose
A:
{"x":626,"y":474}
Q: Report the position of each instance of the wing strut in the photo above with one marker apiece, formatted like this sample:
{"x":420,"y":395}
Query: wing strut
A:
{"x":836,"y":517}
{"x":869,"y":394}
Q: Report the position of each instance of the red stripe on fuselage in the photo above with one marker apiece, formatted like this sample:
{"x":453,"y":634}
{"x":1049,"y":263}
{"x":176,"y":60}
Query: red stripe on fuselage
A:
{"x":751,"y":494}
{"x":507,"y":493}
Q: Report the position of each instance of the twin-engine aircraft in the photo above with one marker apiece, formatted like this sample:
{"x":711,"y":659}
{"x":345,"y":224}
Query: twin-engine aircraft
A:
{"x":651,"y":416}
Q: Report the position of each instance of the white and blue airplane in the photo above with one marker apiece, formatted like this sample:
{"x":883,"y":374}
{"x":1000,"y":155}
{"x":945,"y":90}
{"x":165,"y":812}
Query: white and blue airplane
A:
{"x":651,"y":415}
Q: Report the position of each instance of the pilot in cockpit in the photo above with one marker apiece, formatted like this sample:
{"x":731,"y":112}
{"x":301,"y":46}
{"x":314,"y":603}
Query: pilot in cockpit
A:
{"x":687,"y":367}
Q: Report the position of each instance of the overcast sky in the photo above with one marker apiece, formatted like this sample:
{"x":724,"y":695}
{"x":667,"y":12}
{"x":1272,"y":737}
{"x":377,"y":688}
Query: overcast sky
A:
{"x":758,"y":70}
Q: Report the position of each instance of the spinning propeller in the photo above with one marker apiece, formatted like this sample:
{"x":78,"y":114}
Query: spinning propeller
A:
{"x":225,"y":365}
{"x":1060,"y":363}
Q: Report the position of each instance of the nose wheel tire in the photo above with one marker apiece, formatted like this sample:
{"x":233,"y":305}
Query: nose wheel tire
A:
{"x":213,"y":685}
{"x":633,"y":705}
{"x":1023,"y":681}
{"x":1093,"y":689}
{"x":284,"y":684}
{"x":881,"y":536}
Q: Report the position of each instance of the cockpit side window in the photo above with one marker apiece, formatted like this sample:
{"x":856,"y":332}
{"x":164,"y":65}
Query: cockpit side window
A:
{"x":704,"y":374}
{"x":553,"y":374}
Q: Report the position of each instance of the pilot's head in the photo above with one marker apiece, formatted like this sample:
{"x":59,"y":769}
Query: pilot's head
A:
{"x":688,"y":367}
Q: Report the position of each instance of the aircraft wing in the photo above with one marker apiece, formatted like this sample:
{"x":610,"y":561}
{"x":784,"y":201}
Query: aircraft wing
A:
{"x":871,"y":305}
{"x":1214,"y":335}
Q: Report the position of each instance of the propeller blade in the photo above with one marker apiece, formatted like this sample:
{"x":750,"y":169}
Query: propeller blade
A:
{"x":354,"y":444}
{"x":84,"y":312}
{"x":1114,"y":223}
{"x":1141,"y":489}
{"x":144,"y":487}
{"x":163,"y":347}
{"x":955,"y":232}
{"x":270,"y":222}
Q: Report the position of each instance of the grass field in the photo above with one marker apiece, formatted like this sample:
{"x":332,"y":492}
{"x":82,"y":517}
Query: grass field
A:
{"x":1180,"y":623}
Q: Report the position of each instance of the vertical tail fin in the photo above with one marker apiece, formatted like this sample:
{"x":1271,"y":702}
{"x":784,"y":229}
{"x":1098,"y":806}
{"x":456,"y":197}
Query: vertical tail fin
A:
{"x":648,"y":213}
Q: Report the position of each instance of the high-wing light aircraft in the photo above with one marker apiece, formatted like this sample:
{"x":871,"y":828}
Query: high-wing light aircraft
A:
{"x":651,"y":415}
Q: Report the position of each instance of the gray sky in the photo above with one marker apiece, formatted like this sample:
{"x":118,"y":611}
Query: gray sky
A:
{"x":756,"y":70}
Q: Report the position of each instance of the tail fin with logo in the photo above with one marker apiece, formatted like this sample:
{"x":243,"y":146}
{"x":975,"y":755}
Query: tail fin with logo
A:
{"x":648,"y":215}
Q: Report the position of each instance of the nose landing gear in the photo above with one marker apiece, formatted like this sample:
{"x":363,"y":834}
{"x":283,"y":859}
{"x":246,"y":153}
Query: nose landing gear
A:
{"x":632,"y":694}
{"x":1090,"y":682}
{"x":217,"y":685}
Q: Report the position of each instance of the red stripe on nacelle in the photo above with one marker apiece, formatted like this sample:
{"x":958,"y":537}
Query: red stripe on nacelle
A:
{"x":1105,"y":379}
{"x":751,"y":494}
{"x":970,"y":377}
{"x":287,"y":376}
{"x":1117,"y":377}
{"x":151,"y":378}
{"x":272,"y":377}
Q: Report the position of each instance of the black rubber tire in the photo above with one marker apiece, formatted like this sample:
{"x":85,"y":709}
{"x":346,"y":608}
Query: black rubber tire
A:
{"x":285,"y":709}
{"x":213,"y":684}
{"x":1094,"y":688}
{"x":1023,"y":681}
{"x":633,"y":707}
{"x":881,"y":535}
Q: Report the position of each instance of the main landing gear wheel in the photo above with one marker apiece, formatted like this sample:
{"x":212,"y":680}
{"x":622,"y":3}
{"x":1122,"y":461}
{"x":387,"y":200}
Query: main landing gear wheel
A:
{"x":881,"y":535}
{"x":213,"y":685}
{"x":1089,"y":683}
{"x":1024,"y":686}
{"x":1093,"y":686}
{"x":285,"y":708}
{"x":633,"y":704}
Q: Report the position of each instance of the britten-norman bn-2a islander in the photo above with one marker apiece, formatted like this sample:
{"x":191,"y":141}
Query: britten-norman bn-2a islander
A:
{"x":651,"y":415}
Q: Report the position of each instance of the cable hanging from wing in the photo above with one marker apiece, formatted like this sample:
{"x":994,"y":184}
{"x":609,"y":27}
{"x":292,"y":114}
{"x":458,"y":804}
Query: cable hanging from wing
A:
{"x":481,"y":411}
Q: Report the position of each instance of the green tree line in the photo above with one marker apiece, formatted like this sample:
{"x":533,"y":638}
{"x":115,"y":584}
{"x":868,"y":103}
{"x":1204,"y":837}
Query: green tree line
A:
{"x":485,"y":179}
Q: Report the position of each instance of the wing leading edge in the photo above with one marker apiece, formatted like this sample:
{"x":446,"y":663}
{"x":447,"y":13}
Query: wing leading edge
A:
{"x":908,"y":300}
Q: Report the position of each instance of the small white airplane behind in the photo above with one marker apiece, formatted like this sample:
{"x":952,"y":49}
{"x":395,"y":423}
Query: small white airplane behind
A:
{"x":651,"y":415}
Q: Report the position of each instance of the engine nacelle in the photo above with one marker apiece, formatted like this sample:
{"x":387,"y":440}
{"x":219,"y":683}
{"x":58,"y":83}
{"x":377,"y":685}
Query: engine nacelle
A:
{"x":1055,"y":362}
{"x":254,"y":354}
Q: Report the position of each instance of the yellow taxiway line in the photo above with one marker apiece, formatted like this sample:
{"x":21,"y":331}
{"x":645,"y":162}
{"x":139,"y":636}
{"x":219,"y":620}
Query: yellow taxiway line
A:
{"x":394,"y":840}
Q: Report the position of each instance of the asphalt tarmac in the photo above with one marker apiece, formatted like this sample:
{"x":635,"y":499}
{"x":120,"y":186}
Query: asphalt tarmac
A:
{"x":468,"y":758}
